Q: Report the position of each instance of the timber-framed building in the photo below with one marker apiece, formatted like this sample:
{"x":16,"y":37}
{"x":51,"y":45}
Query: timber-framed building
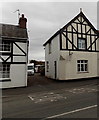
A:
{"x":73,"y":51}
{"x":13,"y":54}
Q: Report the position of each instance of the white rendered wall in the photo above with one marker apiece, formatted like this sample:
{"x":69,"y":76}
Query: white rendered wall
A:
{"x":17,"y":51}
{"x":68,"y":67}
{"x":18,"y":76}
{"x":54,"y":56}
{"x":98,"y":59}
{"x":18,"y":72}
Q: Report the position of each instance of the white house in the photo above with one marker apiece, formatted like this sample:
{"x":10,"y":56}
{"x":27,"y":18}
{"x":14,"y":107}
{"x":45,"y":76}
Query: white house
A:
{"x":13,"y":54}
{"x":73,"y":51}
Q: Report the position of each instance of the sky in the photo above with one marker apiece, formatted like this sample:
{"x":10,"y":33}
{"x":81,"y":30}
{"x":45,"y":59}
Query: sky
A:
{"x":44,"y":19}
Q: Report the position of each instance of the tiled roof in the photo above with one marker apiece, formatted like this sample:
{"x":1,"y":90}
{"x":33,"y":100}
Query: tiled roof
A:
{"x":12,"y":31}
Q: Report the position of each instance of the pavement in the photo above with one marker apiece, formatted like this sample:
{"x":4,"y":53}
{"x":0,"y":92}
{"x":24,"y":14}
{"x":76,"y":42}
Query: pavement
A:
{"x":46,"y":98}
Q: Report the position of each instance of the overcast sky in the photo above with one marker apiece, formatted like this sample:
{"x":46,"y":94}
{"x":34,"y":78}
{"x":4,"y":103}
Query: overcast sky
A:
{"x":44,"y":19}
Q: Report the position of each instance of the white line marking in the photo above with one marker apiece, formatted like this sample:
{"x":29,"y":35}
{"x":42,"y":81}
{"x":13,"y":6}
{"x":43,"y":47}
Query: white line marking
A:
{"x":31,"y":98}
{"x":52,"y":100}
{"x":78,"y":110}
{"x":40,"y":99}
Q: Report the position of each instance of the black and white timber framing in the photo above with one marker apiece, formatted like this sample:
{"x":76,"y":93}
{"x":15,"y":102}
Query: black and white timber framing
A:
{"x":7,"y":57}
{"x":10,"y":55}
{"x":79,"y":27}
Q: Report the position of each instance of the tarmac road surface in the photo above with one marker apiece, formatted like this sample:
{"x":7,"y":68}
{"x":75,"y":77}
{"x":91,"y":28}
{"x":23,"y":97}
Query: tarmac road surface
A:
{"x":67,"y":102}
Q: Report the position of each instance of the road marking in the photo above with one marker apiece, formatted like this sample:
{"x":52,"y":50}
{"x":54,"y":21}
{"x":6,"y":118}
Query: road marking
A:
{"x":31,"y":98}
{"x":40,"y":99}
{"x":52,"y":100}
{"x":66,"y":113}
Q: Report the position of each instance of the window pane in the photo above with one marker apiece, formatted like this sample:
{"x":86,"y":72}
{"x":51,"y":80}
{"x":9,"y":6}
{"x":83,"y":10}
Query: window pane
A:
{"x":4,"y":67}
{"x":78,"y":67}
{"x":86,"y":67}
{"x":85,"y":61}
{"x":7,"y":74}
{"x":81,"y":44}
{"x":82,"y":67}
{"x":78,"y":61}
{"x":8,"y":67}
{"x":6,"y":46}
{"x":1,"y":67}
{"x":3,"y":75}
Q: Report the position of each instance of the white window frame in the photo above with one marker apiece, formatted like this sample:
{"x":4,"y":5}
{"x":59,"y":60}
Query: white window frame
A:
{"x":81,"y":43}
{"x":5,"y":46}
{"x":82,"y":66}
{"x":5,"y":71}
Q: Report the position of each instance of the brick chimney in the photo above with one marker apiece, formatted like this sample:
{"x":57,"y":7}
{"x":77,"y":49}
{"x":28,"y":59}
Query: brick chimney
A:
{"x":22,"y":22}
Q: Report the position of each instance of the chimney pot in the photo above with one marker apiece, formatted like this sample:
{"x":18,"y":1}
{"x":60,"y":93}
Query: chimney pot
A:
{"x":22,"y":22}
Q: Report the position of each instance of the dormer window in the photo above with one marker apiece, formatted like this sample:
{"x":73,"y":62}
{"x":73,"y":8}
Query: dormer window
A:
{"x":82,"y":43}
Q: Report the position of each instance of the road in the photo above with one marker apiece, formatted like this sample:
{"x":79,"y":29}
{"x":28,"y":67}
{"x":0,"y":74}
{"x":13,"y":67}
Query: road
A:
{"x":67,"y":102}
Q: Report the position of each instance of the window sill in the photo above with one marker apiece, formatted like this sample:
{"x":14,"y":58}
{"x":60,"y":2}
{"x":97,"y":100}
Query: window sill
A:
{"x":5,"y":51}
{"x":82,"y":72}
{"x":5,"y":79}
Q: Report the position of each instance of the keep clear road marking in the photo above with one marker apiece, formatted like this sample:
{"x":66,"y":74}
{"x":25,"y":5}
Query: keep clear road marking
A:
{"x":66,"y":113}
